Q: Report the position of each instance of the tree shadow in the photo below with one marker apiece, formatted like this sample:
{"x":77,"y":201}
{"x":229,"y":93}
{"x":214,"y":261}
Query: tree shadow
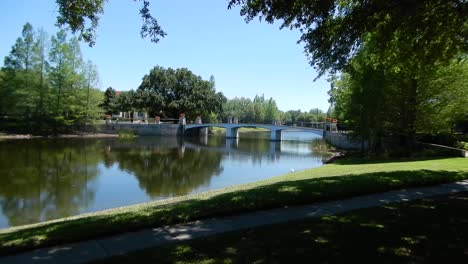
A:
{"x":355,"y":160}
{"x":431,"y":230}
{"x":288,"y":193}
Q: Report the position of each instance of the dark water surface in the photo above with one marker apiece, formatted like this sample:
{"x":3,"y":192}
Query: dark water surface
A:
{"x":44,"y":179}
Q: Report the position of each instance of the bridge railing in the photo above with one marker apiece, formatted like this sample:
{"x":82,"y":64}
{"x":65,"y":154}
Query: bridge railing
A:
{"x":306,"y":124}
{"x":144,"y":121}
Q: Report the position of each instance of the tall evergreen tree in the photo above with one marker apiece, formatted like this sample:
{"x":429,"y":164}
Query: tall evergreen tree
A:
{"x":110,"y":101}
{"x":18,"y":66}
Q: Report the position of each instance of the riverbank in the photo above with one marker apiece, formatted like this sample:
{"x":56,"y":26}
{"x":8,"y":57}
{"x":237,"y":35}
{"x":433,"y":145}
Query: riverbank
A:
{"x":345,"y":178}
{"x":84,"y":135}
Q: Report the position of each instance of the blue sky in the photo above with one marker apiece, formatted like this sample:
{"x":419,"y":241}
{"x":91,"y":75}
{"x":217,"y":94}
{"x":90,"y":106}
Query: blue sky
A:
{"x":203,"y":36}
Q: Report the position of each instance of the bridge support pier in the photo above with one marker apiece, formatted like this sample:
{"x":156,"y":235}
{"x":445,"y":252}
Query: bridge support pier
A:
{"x":232,"y":132}
{"x":275,"y":135}
{"x":231,"y":143}
{"x":275,"y":148}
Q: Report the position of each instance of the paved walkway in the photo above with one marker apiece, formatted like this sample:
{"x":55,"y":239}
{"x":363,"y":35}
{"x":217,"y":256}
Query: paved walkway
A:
{"x":127,"y":242}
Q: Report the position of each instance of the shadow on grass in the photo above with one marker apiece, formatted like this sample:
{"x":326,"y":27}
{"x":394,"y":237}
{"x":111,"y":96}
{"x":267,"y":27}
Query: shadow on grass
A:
{"x":425,"y":231}
{"x":275,"y":195}
{"x":358,"y":160}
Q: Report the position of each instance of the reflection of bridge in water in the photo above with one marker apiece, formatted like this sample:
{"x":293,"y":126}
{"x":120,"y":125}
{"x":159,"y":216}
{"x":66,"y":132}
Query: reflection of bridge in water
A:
{"x":231,"y":146}
{"x":232,"y":130}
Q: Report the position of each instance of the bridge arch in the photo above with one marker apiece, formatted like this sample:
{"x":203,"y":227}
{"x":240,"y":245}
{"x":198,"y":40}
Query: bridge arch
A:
{"x":232,"y":130}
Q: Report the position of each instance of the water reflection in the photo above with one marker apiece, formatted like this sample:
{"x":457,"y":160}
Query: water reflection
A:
{"x":45,"y":179}
{"x":164,"y":167}
{"x":42,"y":180}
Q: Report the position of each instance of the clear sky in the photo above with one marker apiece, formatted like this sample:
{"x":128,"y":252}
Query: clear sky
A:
{"x":203,"y":36}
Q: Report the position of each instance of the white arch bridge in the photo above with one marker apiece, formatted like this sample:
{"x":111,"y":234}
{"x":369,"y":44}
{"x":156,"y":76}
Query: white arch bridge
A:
{"x":232,"y":130}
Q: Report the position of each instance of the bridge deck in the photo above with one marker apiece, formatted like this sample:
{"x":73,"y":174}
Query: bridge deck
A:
{"x":275,"y":130}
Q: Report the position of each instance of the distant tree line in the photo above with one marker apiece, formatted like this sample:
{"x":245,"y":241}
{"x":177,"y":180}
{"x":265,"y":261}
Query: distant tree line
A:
{"x":161,"y":98}
{"x":261,"y":110}
{"x":45,"y":85}
{"x":297,"y":116}
{"x":245,"y":110}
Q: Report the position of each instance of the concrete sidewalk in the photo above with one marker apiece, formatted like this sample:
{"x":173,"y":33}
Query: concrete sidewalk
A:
{"x":147,"y":238}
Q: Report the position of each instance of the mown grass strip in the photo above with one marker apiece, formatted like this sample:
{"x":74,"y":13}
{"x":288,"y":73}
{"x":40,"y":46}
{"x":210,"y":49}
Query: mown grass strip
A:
{"x":394,"y":233}
{"x":348,"y":177}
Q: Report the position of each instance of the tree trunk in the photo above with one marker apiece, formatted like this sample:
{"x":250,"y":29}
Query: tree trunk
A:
{"x":412,"y":113}
{"x":409,"y":115}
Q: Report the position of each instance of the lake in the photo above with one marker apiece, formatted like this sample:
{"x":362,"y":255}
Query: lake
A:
{"x":44,"y":179}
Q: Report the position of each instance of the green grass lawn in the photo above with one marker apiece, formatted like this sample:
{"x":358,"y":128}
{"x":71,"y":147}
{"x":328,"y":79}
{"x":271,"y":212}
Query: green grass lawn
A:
{"x":431,"y":230}
{"x":345,"y":178}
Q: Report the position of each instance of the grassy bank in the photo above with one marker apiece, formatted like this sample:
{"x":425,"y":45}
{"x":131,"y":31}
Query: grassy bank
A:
{"x":431,"y":230}
{"x":126,"y":134}
{"x":82,"y":135}
{"x":345,"y":178}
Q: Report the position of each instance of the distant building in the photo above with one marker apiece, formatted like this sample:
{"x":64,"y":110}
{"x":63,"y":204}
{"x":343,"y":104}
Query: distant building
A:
{"x":137,"y":116}
{"x":128,"y":115}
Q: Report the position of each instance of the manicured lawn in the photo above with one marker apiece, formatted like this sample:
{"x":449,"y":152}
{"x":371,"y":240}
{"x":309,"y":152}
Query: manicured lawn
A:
{"x":348,"y":177}
{"x":426,"y":231}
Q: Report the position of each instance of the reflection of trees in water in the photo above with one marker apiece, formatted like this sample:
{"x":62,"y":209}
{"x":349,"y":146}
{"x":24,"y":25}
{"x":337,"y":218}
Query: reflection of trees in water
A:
{"x":46,"y":179}
{"x":262,"y":150}
{"x":247,"y":149}
{"x":165,"y":167}
{"x":259,"y":150}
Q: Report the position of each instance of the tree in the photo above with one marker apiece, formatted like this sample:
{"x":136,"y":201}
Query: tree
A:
{"x":292,"y":116}
{"x":40,"y":67}
{"x":240,"y":108}
{"x":126,"y":102}
{"x":247,"y":111}
{"x":259,"y":109}
{"x":334,"y":30}
{"x":89,"y":97}
{"x":18,"y":67}
{"x":45,"y":82}
{"x":368,"y":101}
{"x":22,"y":52}
{"x":271,"y":111}
{"x":443,"y":102}
{"x":83,"y":17}
{"x":176,"y":91}
{"x":109,"y":103}
{"x":373,"y":99}
{"x":407,"y":38}
{"x":61,"y":75}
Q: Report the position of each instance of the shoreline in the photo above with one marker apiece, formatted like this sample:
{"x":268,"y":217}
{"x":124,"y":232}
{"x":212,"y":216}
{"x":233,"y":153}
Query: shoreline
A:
{"x":334,"y":156}
{"x":85,"y":135}
{"x":325,"y":183}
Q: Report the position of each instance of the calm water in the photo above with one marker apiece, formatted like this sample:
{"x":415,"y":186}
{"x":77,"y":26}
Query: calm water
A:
{"x":44,"y":179}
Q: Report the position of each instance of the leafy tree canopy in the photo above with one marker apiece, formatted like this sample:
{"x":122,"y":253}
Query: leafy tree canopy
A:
{"x":82,"y":17}
{"x":417,"y":32}
{"x":172,"y":91}
{"x":333,"y":30}
{"x":46,"y":84}
{"x":110,"y":101}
